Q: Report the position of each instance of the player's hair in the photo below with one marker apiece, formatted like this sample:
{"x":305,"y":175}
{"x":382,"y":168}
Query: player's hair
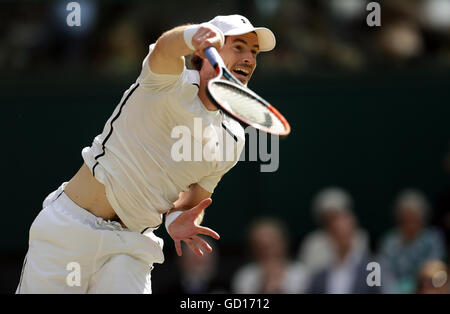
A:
{"x":196,"y":62}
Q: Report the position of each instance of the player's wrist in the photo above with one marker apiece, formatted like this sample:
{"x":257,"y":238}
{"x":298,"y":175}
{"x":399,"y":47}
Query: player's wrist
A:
{"x":189,"y":33}
{"x":170,"y":218}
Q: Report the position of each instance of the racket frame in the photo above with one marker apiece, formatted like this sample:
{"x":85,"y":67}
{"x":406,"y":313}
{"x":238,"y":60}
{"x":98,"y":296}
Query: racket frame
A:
{"x":219,"y":66}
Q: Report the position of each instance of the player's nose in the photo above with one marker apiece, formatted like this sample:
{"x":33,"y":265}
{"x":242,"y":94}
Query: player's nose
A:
{"x":250,"y":60}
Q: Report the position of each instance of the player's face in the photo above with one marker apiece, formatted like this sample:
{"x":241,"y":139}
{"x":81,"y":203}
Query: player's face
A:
{"x":239,"y":55}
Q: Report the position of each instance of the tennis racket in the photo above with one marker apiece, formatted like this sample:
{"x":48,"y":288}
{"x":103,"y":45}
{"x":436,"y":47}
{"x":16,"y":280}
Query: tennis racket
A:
{"x":239,"y":102}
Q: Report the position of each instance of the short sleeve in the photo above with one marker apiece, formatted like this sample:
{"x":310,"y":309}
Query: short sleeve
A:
{"x":159,"y":82}
{"x":210,"y":182}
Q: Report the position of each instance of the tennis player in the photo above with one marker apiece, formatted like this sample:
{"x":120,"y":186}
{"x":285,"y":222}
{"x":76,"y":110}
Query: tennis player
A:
{"x":95,"y":232}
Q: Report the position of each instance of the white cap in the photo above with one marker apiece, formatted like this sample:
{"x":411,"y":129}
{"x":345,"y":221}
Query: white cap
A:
{"x":232,"y":25}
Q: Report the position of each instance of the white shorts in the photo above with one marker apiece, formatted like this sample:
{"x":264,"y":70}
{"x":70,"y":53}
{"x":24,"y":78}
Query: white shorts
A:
{"x":73,"y":251}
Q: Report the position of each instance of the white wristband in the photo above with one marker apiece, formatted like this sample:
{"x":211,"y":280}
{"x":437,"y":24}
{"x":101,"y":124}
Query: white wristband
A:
{"x":190,"y":31}
{"x":171,"y":217}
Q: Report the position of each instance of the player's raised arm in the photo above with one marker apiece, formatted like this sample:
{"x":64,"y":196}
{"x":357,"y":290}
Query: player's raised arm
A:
{"x":170,"y":49}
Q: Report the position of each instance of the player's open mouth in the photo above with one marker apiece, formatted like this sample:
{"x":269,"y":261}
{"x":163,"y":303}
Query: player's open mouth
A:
{"x":241,"y":71}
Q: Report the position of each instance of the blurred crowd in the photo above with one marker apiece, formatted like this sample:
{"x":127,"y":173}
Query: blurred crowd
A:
{"x":332,"y":259}
{"x":337,"y":257}
{"x":312,"y":35}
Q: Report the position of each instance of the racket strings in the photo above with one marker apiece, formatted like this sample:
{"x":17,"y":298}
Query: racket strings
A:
{"x":245,"y":105}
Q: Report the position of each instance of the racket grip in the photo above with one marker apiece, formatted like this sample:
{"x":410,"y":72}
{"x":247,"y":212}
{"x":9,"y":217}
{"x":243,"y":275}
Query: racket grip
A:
{"x":213,"y":57}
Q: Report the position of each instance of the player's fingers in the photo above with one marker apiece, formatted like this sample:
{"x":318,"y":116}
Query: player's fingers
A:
{"x":193,"y":247}
{"x":207,"y":231}
{"x":199,"y":37}
{"x":201,"y":32}
{"x":200,"y":53}
{"x":209,"y":31}
{"x":178,"y":247}
{"x":202,"y":243}
{"x":206,"y":37}
{"x":210,"y":42}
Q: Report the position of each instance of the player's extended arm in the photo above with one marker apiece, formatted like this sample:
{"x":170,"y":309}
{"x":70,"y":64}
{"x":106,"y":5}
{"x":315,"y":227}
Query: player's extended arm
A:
{"x":186,"y":226}
{"x":167,"y":55}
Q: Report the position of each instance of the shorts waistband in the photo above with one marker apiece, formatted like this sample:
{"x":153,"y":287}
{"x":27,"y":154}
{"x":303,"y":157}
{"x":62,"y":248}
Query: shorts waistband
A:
{"x":79,"y":212}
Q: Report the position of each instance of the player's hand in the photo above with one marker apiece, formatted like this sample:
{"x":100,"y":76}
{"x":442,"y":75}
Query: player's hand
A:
{"x":207,"y":36}
{"x":185,"y":228}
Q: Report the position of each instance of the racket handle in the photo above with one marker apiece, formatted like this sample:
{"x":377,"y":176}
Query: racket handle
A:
{"x":213,"y":57}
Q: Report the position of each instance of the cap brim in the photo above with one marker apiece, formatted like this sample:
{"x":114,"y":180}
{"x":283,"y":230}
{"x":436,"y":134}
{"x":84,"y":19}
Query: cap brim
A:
{"x":266,"y":38}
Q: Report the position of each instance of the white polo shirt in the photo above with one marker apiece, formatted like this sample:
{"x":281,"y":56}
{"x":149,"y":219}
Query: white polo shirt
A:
{"x":134,"y":155}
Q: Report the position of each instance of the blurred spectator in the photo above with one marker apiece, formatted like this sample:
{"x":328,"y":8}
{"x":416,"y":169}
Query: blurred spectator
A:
{"x":125,"y":46}
{"x":441,"y":217}
{"x":318,"y":249}
{"x":436,"y":14}
{"x":409,"y":245}
{"x":433,"y":278}
{"x":343,"y":253}
{"x":271,"y":271}
{"x":197,"y":275}
{"x":24,"y":32}
{"x":400,"y":40}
